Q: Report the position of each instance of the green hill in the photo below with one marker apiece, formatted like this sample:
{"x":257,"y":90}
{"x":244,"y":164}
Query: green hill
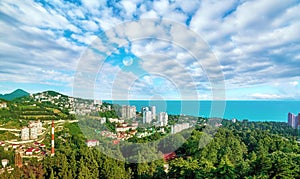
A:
{"x":15,"y":94}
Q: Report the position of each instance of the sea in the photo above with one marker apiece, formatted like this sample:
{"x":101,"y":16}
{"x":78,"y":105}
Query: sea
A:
{"x":276,"y":111}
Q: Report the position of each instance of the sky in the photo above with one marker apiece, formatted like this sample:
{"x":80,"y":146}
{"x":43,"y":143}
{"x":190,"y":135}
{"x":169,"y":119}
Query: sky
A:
{"x":209,"y":49}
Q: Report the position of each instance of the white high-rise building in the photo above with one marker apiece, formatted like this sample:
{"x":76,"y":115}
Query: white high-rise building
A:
{"x":128,"y":112}
{"x":133,"y":111}
{"x":25,"y":133}
{"x":153,"y":110}
{"x":124,"y":111}
{"x":145,"y":109}
{"x":38,"y":124}
{"x":33,"y":132}
{"x":147,"y":115}
{"x":163,"y":118}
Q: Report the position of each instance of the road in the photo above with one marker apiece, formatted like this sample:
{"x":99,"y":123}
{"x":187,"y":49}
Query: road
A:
{"x":11,"y":130}
{"x":61,"y":121}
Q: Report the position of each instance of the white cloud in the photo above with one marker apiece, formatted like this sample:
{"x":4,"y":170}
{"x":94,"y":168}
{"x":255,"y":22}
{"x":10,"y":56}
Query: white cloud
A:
{"x":90,"y":26}
{"x":294,"y":83}
{"x":161,"y":7}
{"x":250,"y":38}
{"x":265,"y":96}
{"x":93,"y":5}
{"x":87,"y":38}
{"x":130,"y":8}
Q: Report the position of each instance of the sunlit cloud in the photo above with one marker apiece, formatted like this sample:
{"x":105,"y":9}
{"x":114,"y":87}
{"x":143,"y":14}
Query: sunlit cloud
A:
{"x":43,"y":43}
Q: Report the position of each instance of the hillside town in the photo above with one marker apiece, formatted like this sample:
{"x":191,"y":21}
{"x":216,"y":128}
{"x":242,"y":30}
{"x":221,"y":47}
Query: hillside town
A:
{"x":31,"y":140}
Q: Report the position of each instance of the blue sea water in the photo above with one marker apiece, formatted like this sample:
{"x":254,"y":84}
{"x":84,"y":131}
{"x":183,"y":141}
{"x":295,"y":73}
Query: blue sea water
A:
{"x":250,"y":110}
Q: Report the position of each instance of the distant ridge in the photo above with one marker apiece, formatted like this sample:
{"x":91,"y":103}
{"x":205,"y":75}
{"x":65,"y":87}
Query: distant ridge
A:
{"x":15,"y":94}
{"x":52,"y":93}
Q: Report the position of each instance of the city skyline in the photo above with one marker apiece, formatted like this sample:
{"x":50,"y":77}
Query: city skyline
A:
{"x":42,"y":43}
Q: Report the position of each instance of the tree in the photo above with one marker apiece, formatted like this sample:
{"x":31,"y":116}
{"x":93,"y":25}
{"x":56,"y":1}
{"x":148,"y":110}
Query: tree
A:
{"x":184,"y":168}
{"x":225,"y":169}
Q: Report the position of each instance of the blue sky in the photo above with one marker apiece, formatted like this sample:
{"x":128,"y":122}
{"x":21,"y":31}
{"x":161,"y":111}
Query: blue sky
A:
{"x":44,"y":44}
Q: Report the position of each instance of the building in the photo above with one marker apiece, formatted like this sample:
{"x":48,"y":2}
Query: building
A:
{"x":298,"y":121}
{"x":293,"y":120}
{"x":116,"y":120}
{"x":179,"y":127}
{"x":128,"y":112}
{"x":14,"y":146}
{"x":169,"y":156}
{"x":163,"y":118}
{"x":25,"y":133}
{"x":29,"y":151}
{"x":92,"y":143}
{"x":135,"y":124}
{"x":149,"y":113}
{"x":4,"y":162}
{"x":33,"y":133}
{"x":42,"y":145}
{"x":132,"y":112}
{"x":37,"y":150}
{"x":147,"y":116}
{"x":102,"y":120}
{"x":153,"y":110}
{"x":37,"y":124}
{"x":3,"y":105}
{"x":2,"y":144}
{"x":98,"y":102}
{"x":233,"y":120}
{"x":123,"y":127}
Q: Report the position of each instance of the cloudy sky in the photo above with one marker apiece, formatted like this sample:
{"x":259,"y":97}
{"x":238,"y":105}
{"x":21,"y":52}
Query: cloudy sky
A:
{"x":152,"y":49}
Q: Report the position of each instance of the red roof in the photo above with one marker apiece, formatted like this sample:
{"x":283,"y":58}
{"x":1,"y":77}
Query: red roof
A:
{"x":169,"y":156}
{"x":30,"y":149}
{"x":14,"y":145}
{"x":116,"y":142}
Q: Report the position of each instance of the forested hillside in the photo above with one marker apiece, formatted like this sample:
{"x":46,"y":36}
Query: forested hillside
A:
{"x":238,"y":150}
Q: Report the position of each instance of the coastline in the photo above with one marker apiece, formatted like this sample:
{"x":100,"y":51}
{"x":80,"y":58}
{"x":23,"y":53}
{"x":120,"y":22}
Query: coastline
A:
{"x":260,"y":110}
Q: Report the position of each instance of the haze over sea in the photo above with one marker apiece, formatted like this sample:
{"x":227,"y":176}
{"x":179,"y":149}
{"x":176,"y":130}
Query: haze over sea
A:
{"x":252,"y":110}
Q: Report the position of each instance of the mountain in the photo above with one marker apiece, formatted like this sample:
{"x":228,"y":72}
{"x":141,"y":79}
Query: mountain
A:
{"x":16,"y":94}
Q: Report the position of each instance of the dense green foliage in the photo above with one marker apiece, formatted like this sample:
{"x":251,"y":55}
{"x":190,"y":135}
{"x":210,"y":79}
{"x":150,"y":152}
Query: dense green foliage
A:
{"x":108,"y":114}
{"x":237,"y":150}
{"x":18,"y":112}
